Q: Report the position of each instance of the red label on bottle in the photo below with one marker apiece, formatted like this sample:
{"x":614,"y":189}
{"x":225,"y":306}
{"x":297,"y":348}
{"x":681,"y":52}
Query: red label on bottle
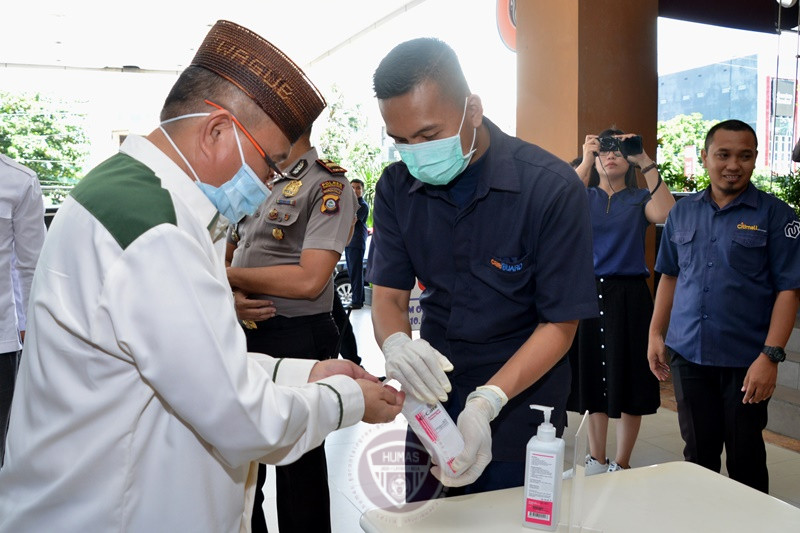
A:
{"x":539,"y":512}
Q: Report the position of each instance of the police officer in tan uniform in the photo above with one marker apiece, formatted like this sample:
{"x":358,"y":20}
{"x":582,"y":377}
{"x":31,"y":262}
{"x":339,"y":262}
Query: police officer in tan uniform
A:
{"x":281,"y":271}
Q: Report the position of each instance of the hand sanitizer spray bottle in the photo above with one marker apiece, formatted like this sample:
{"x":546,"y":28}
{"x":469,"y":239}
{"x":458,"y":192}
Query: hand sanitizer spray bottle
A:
{"x":544,"y":465}
{"x":436,"y":430}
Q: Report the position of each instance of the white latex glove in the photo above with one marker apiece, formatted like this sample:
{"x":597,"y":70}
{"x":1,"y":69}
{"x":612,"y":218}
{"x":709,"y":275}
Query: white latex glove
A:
{"x":418,"y":367}
{"x":482,"y":407}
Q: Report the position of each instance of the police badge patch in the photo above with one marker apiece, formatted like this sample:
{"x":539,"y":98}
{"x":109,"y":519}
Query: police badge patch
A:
{"x":331,"y":192}
{"x":291,"y":188}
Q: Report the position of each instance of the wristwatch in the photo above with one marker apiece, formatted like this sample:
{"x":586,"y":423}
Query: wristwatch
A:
{"x":775,"y":353}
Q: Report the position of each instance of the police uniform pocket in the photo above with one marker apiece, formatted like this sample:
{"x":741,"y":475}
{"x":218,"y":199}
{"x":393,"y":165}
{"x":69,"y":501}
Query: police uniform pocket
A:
{"x":748,"y":253}
{"x":683,"y":243}
{"x":280,"y":219}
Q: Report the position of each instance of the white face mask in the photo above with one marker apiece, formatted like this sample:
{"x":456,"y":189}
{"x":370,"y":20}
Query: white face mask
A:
{"x":236,"y":198}
{"x":438,"y":162}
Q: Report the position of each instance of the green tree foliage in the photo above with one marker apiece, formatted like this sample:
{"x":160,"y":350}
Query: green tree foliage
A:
{"x":787,"y":188}
{"x":346,"y":141}
{"x":674,"y":136}
{"x":46,"y":136}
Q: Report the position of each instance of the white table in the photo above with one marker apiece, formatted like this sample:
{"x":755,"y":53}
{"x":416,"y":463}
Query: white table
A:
{"x":677,"y":497}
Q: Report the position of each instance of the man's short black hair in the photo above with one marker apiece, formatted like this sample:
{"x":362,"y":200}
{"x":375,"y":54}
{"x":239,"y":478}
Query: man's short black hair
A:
{"x":729,"y":125}
{"x":412,"y":62}
{"x":356,"y":180}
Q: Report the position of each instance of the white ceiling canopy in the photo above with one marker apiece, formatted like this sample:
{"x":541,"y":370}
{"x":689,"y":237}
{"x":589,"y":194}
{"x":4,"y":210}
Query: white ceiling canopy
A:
{"x":163,"y":34}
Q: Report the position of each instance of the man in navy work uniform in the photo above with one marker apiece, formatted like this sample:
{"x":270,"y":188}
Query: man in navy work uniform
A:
{"x":727,"y":302}
{"x":497,"y":230}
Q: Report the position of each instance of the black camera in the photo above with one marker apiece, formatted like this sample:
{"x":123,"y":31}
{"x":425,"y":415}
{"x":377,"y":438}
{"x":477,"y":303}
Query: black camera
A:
{"x":627,"y":146}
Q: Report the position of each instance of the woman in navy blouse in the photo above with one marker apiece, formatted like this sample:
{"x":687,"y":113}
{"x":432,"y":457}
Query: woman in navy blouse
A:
{"x":611,"y":376}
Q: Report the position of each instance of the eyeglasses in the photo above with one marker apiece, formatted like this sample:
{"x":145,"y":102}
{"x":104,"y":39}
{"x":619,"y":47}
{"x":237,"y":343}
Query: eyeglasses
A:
{"x":270,"y":163}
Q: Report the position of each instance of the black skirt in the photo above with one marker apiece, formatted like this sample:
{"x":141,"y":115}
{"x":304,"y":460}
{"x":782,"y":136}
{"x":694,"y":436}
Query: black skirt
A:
{"x":610,"y":373}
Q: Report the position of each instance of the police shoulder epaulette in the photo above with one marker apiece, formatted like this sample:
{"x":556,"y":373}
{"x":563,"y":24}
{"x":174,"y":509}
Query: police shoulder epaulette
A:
{"x":331,"y":167}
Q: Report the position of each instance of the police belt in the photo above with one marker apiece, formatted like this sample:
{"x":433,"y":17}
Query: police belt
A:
{"x":282,"y":322}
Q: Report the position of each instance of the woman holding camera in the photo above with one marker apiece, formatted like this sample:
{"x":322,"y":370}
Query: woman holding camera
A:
{"x":611,"y":376}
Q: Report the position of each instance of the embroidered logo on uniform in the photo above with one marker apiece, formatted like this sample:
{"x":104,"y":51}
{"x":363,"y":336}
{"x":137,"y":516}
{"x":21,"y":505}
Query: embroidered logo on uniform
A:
{"x":331,"y":192}
{"x":742,"y":225}
{"x":792,"y":229}
{"x":510,"y":265}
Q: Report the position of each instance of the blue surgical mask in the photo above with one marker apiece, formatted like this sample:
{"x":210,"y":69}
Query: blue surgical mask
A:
{"x":236,"y":198}
{"x":437,"y":162}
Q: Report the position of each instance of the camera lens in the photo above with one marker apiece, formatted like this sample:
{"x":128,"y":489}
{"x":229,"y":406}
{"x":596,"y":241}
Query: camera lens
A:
{"x":609,"y":144}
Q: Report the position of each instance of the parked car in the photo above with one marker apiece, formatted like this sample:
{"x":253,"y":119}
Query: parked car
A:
{"x":341,"y":278}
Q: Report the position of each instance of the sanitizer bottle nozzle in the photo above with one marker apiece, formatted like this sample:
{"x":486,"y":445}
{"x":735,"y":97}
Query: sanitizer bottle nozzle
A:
{"x":546,"y":431}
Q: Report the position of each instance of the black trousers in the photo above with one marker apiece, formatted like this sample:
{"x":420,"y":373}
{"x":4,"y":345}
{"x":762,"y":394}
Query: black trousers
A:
{"x":9,"y":364}
{"x":711,"y":414}
{"x":347,"y":344}
{"x":301,"y":488}
{"x":355,"y":270}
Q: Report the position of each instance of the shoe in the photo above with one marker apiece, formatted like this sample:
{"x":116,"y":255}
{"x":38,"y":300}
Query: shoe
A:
{"x":592,"y":466}
{"x":614,"y":467}
{"x":356,"y":306}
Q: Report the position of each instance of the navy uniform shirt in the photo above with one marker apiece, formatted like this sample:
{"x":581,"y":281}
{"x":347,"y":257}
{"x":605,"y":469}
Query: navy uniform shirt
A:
{"x":730,"y":264}
{"x":517,"y":254}
{"x":359,"y":239}
{"x":619,"y":227}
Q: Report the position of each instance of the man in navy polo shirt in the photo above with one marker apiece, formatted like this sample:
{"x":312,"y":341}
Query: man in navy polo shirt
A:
{"x":727,"y":301}
{"x":498,"y":232}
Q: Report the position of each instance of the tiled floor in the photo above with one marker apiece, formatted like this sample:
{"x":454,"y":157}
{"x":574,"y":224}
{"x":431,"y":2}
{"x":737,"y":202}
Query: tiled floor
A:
{"x":659,"y":441}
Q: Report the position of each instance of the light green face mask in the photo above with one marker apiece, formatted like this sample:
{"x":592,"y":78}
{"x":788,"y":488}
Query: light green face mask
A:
{"x":437,"y":162}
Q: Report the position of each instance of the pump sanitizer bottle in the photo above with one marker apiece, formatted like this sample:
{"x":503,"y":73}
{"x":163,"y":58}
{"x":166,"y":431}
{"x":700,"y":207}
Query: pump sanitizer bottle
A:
{"x":436,"y":430}
{"x":544,"y":465}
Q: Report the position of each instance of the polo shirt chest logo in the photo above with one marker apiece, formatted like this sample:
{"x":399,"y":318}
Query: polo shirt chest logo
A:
{"x":792,"y":229}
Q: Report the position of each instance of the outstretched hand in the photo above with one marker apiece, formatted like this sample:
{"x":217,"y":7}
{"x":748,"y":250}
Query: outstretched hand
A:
{"x":418,"y":366}
{"x":332,"y":367}
{"x":382,"y":403}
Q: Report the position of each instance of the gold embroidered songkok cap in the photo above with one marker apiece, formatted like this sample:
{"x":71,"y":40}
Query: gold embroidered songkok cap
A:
{"x":264,"y":73}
